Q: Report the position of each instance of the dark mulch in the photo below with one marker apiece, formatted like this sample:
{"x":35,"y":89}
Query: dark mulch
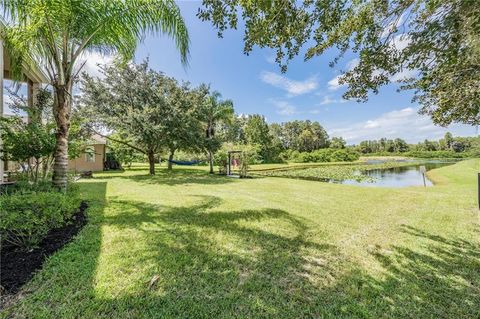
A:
{"x":18,"y":266}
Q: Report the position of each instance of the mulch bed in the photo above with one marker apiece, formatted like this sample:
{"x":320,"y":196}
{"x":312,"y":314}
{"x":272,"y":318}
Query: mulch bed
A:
{"x":18,"y":266}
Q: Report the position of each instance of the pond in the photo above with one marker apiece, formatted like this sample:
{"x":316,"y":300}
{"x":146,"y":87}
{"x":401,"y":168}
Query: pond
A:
{"x":397,"y":176}
{"x":376,"y":173}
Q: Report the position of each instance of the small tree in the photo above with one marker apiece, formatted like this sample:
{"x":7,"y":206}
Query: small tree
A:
{"x":28,"y":144}
{"x":28,"y":140}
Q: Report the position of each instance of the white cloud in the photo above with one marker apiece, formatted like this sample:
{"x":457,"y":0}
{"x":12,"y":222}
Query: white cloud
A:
{"x":327,"y":100}
{"x":271,"y":58}
{"x":405,"y":123}
{"x":405,"y":74}
{"x":400,"y":41}
{"x":293,"y":87}
{"x":352,"y":64}
{"x":284,"y":108}
{"x":334,"y":84}
{"x":92,"y":61}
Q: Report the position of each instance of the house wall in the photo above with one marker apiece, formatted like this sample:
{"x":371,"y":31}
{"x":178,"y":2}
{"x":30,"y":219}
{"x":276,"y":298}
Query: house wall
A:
{"x":80,"y":164}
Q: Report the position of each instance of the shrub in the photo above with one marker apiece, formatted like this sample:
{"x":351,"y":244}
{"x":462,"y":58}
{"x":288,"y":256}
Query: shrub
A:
{"x":27,"y":216}
{"x":344,"y":155}
{"x":437,"y":154}
{"x":322,"y":155}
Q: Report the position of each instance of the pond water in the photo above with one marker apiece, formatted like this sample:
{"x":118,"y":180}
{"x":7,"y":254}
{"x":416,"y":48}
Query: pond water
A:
{"x":398,"y":176}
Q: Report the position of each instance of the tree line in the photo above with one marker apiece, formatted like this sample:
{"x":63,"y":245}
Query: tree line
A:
{"x":448,"y":143}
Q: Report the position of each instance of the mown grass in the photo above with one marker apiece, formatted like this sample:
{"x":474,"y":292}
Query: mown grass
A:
{"x":265,"y":248}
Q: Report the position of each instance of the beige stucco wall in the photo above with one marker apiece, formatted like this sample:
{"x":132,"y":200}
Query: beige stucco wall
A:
{"x":80,"y":164}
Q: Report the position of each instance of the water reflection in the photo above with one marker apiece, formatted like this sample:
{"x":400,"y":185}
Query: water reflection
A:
{"x":398,"y":176}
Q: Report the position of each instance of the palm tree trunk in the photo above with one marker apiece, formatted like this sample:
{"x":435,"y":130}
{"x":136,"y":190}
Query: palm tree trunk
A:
{"x":151,"y":162}
{"x":210,"y":159}
{"x":61,"y":110}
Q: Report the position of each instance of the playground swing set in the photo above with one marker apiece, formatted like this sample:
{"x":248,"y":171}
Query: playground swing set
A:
{"x":235,"y":167}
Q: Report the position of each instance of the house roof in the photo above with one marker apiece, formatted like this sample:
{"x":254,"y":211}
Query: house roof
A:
{"x":97,"y":139}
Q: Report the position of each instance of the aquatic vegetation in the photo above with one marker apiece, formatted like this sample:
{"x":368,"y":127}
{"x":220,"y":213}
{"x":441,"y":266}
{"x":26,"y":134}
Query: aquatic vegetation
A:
{"x":335,"y":172}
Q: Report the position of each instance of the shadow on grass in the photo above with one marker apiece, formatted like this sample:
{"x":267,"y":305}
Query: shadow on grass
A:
{"x":171,"y":178}
{"x":440,"y":281}
{"x":214,"y":263}
{"x":222,"y":264}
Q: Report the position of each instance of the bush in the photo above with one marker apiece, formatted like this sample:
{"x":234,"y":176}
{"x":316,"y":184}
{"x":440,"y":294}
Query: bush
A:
{"x":321,"y":156}
{"x":27,"y":216}
{"x":344,"y":155}
{"x":436,"y":154}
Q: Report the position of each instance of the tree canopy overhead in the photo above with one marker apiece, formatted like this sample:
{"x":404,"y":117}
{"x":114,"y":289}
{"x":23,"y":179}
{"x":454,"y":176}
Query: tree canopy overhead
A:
{"x":436,"y":43}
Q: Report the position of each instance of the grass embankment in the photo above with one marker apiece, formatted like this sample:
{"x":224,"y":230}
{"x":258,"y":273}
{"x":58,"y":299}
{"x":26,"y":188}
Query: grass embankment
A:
{"x":217,"y":247}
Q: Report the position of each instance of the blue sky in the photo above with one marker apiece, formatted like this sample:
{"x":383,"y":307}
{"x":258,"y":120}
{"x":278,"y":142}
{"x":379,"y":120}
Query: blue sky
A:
{"x":307,"y":91}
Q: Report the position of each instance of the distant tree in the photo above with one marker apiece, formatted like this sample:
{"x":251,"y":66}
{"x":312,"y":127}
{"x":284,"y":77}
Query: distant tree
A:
{"x":429,"y":145}
{"x":448,"y":140}
{"x":234,"y":130}
{"x":212,"y":112}
{"x":304,"y":136}
{"x":365,"y":147}
{"x":277,"y":145}
{"x":337,"y":142}
{"x":400,"y":145}
{"x":257,"y":132}
{"x":435,"y":42}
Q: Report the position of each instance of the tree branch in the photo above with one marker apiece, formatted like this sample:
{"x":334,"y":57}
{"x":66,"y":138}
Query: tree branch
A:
{"x":118,"y":141}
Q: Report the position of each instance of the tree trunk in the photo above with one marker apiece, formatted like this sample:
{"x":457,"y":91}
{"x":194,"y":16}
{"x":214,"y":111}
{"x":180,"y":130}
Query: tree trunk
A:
{"x":170,"y":158}
{"x":151,"y":162}
{"x":61,"y":111}
{"x":210,"y":159}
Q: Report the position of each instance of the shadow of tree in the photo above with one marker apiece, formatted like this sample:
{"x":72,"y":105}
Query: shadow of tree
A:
{"x":215,"y":264}
{"x":211,"y":262}
{"x":172,"y":178}
{"x":273,"y":275}
{"x":441,"y":281}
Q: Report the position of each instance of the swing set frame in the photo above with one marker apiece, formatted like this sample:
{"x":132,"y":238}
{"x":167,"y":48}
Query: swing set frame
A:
{"x":229,"y":166}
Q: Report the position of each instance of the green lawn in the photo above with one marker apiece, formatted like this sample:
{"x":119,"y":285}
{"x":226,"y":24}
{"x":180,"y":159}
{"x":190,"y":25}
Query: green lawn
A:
{"x":265,"y":247}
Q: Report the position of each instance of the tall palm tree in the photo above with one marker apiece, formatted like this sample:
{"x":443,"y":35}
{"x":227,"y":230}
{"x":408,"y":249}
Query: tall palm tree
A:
{"x":55,"y":34}
{"x":214,"y":111}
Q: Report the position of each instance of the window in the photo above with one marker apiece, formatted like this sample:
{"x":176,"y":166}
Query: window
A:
{"x":90,"y":154}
